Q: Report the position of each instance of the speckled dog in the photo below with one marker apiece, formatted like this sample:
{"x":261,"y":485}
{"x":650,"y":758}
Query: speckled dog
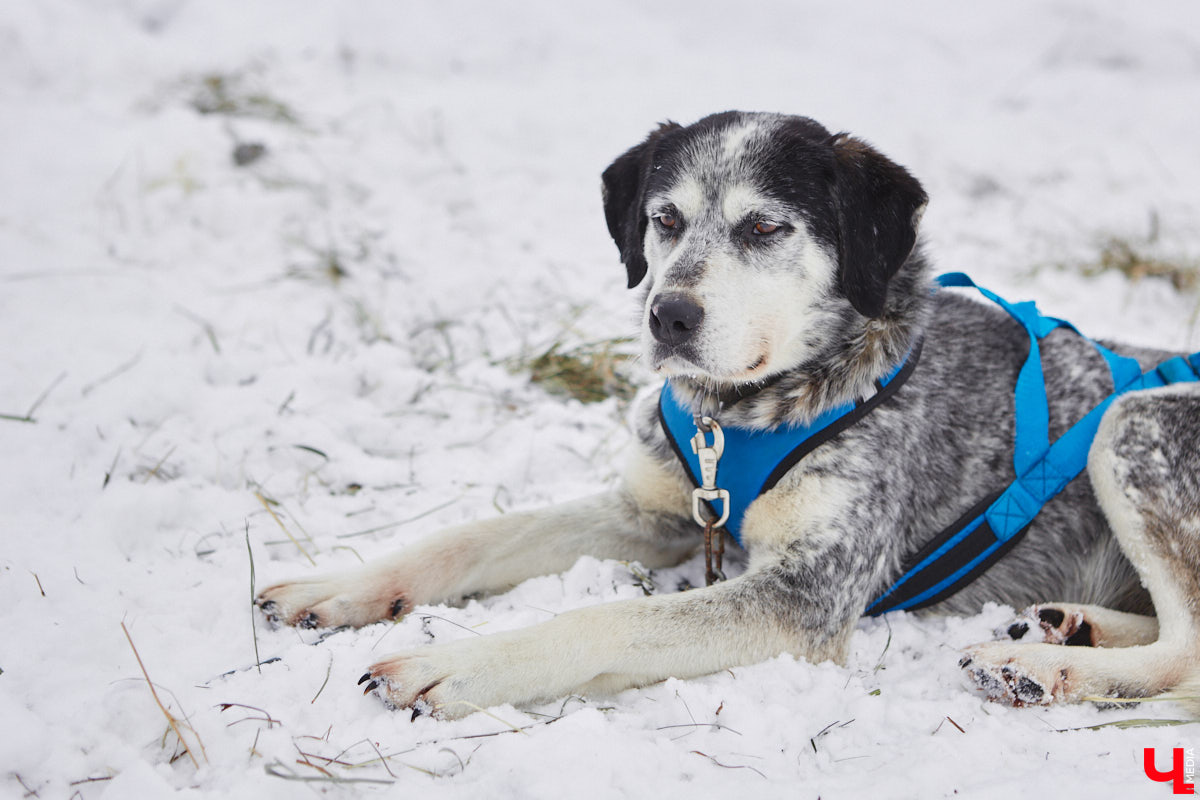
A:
{"x":779,"y":273}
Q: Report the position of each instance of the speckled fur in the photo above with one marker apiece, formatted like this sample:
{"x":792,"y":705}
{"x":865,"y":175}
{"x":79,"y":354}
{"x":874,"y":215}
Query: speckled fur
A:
{"x":835,"y":293}
{"x":1145,"y":465}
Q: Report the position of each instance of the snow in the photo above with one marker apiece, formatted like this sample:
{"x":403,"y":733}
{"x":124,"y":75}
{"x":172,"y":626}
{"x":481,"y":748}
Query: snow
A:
{"x":180,"y":316}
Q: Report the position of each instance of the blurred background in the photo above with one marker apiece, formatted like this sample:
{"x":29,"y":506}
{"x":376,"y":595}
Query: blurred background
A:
{"x":341,"y":268}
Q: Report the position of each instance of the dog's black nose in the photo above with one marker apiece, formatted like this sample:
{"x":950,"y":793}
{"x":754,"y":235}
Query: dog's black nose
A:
{"x":675,"y":318}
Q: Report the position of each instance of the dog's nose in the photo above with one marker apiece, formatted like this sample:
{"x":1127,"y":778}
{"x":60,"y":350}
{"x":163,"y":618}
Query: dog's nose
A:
{"x":675,"y":318}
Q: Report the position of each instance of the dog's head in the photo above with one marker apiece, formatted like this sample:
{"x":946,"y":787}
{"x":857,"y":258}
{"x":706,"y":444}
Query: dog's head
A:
{"x":752,"y":236}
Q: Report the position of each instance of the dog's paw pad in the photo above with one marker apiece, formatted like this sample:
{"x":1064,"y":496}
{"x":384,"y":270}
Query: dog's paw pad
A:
{"x":1063,"y":625}
{"x":1048,"y":624}
{"x":1026,"y":690}
{"x":989,"y":684}
{"x":1017,"y":631}
{"x":1008,"y":681}
{"x":1010,"y":686}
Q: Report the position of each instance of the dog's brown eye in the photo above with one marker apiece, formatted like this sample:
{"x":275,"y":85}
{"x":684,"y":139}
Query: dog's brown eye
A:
{"x":667,"y":220}
{"x":765,"y":228}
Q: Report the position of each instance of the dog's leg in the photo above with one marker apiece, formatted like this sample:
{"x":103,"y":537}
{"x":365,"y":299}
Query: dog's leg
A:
{"x":1145,"y":468}
{"x":811,"y":572}
{"x":1079,"y":624}
{"x":646,"y":521}
{"x":614,"y":646}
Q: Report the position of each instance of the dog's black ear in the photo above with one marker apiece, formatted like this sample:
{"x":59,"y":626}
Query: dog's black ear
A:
{"x":879,"y":206}
{"x":624,"y":193}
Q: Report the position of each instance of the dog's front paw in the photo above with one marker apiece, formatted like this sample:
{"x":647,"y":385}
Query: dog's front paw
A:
{"x":554,"y":659}
{"x":447,"y":680}
{"x":1017,"y":675}
{"x":332,"y":601}
{"x":1056,"y":623}
{"x":408,"y":681}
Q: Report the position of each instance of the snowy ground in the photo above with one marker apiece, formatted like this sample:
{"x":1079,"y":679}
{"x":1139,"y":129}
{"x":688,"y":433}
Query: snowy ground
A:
{"x":339,"y":326}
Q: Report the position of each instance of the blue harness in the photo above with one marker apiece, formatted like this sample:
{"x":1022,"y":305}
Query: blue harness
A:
{"x":755,"y":460}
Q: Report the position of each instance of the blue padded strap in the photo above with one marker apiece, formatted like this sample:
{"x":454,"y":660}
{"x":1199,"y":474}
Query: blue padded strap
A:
{"x":1032,"y":438}
{"x":953,"y":561}
{"x":750,"y":455}
{"x":1065,"y":459}
{"x":1124,"y":370}
{"x":1068,"y":456}
{"x":931,"y":594}
{"x":1176,"y":370}
{"x":955,"y":556}
{"x":1042,"y":470}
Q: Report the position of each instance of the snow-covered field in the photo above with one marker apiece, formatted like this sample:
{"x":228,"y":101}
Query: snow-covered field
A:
{"x":341,"y":326}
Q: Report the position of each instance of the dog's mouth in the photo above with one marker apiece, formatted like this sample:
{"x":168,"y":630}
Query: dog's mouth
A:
{"x":751,"y":374}
{"x":678,"y":364}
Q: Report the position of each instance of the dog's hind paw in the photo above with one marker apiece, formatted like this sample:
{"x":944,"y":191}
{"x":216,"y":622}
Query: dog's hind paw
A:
{"x":1007,"y":685}
{"x":1049,"y":624}
{"x":1016,"y":676}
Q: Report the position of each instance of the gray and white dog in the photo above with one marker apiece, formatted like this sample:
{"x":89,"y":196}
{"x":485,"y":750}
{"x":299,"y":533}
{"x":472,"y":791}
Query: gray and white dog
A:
{"x":780,"y":274}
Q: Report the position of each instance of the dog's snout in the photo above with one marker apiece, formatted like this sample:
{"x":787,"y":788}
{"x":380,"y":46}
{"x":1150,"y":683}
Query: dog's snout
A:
{"x":675,"y":318}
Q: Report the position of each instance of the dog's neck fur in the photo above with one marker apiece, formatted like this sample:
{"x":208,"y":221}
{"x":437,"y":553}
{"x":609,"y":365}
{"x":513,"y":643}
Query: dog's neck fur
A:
{"x":856,"y":352}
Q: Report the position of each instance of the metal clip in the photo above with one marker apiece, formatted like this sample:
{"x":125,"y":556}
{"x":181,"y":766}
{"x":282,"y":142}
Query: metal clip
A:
{"x":709,"y":456}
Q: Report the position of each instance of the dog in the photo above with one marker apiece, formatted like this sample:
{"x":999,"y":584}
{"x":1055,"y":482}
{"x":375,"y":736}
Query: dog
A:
{"x":780,"y":273}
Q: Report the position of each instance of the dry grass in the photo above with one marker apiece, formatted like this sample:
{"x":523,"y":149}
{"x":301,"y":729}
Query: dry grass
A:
{"x":232,"y":95}
{"x":589,"y":373}
{"x":253,"y":597}
{"x":328,"y":266}
{"x":28,"y":415}
{"x":1124,"y":724}
{"x":1136,"y":260}
{"x":266,"y":503}
{"x":173,"y":722}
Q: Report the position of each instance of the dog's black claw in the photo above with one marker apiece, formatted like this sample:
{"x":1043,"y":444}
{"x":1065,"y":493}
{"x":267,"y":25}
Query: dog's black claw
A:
{"x":269,"y":611}
{"x":965,"y":662}
{"x":416,"y":712}
{"x":1017,"y":630}
{"x":366,"y":677}
{"x":372,"y":686}
{"x":310,"y":621}
{"x":398,"y":607}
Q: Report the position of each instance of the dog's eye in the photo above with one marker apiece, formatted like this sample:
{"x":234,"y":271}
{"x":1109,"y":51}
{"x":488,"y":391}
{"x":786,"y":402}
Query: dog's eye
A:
{"x":667,"y":220}
{"x":765,"y":228}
